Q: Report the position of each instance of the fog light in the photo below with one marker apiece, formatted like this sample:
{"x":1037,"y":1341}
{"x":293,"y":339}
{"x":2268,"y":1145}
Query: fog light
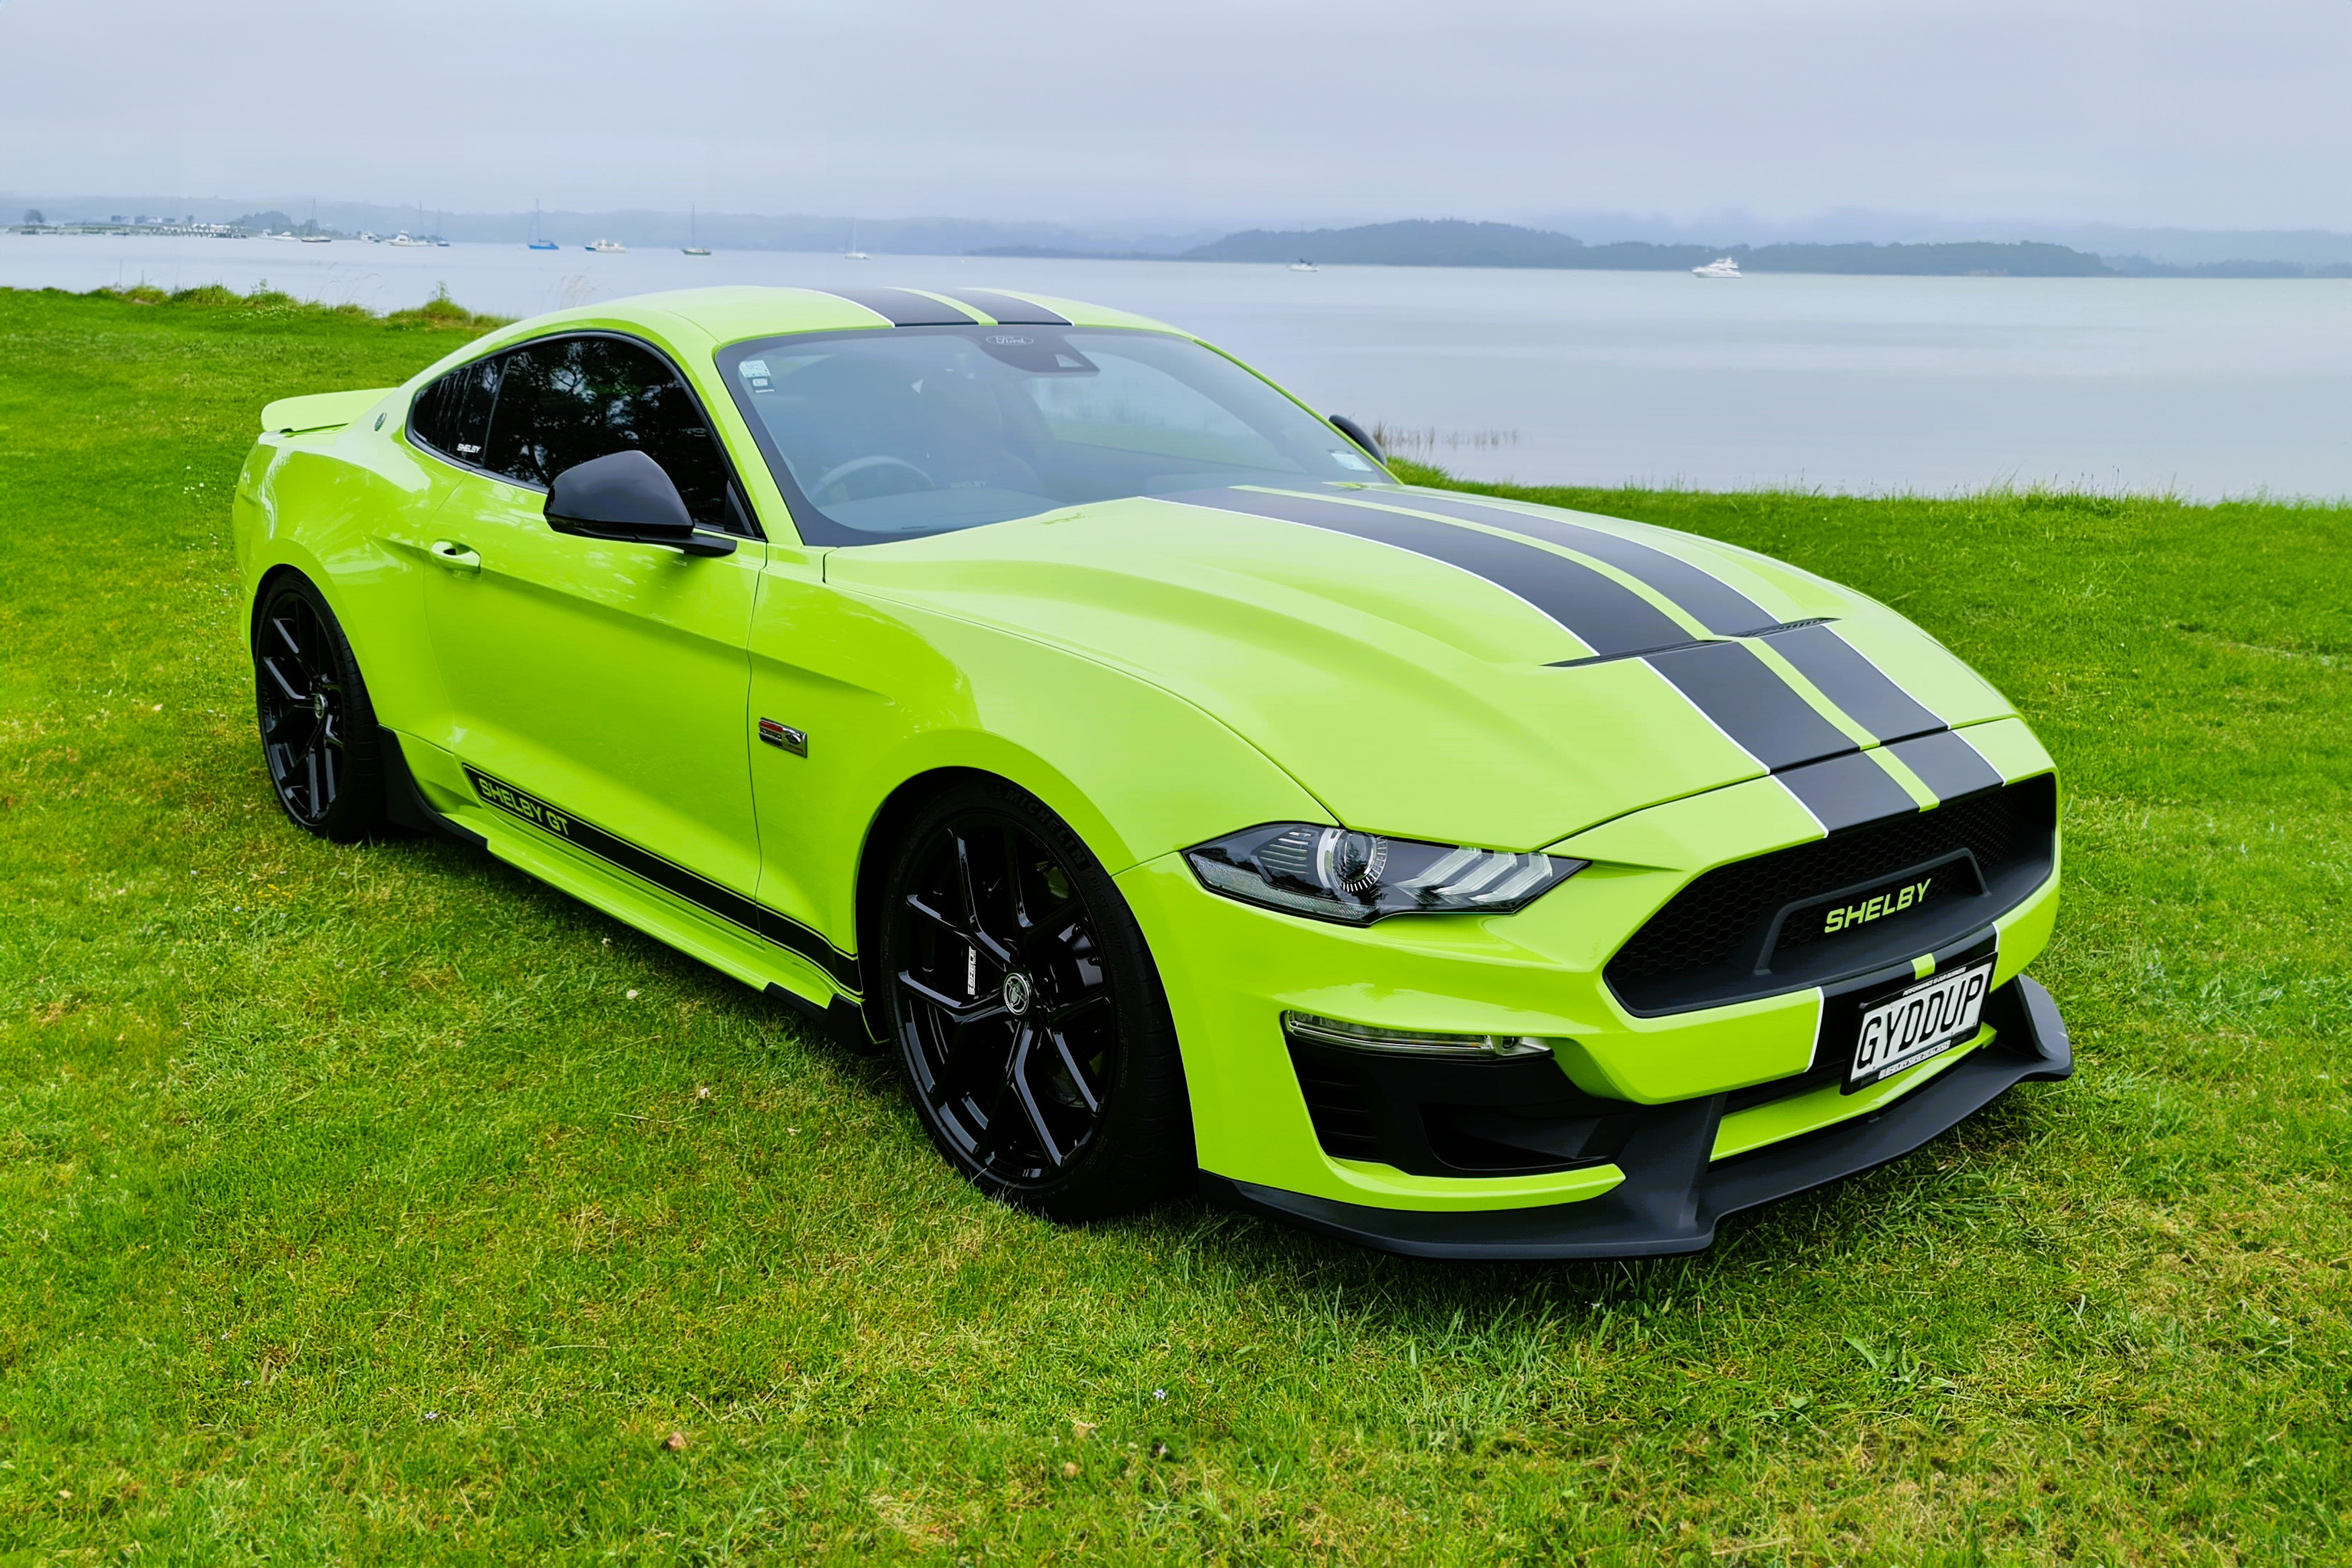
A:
{"x":1410,"y":1042}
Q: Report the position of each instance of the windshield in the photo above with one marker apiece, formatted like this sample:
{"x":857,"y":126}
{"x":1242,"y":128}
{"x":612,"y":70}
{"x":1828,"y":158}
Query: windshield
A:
{"x":878,"y":435}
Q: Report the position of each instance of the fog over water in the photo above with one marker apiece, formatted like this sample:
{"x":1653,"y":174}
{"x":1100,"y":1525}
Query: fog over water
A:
{"x":2206,"y":387}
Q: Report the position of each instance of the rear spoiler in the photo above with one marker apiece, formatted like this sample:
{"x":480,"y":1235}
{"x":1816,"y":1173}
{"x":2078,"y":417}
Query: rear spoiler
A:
{"x":320,"y":411}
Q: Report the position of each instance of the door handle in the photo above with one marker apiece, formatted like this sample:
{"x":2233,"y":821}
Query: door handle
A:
{"x":455,"y":556}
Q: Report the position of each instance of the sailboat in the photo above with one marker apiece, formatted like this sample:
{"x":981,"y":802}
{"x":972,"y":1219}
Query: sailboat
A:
{"x":853,"y":252}
{"x":536,"y":242}
{"x":691,"y":248}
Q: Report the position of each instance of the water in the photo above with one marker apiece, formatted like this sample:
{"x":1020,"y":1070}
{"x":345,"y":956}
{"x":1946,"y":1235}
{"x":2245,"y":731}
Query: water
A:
{"x":2205,"y":387}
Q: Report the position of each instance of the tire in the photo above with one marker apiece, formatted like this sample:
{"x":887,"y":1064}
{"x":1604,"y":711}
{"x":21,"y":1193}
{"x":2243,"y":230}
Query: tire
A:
{"x":318,"y":727}
{"x":1026,"y":1012}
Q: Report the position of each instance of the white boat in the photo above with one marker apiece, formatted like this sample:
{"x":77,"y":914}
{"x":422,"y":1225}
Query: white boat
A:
{"x":290,"y":236}
{"x":853,"y":252}
{"x":1302,"y":264}
{"x":405,"y":241}
{"x":693,"y":247}
{"x":1722,"y":266}
{"x":609,"y":248}
{"x":318,"y":239}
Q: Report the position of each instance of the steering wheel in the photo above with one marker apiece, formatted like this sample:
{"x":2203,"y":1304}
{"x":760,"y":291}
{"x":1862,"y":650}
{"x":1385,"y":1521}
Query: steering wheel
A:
{"x":834,"y":476}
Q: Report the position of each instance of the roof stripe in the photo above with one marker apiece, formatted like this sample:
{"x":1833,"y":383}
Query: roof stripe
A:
{"x":1761,"y":712}
{"x":1715,"y":604}
{"x":1605,"y":615}
{"x":1843,"y":675}
{"x":1846,"y":792}
{"x":905,"y":307}
{"x":1007,"y":309}
{"x":1947,"y":764}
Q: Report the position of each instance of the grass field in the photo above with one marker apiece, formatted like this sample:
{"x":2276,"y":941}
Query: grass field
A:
{"x":377,"y":1202}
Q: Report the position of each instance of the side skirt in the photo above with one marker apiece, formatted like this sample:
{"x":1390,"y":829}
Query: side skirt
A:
{"x":740,"y":942}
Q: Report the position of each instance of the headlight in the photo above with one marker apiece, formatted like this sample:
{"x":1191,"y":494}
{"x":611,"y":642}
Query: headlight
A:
{"x":1334,"y":874}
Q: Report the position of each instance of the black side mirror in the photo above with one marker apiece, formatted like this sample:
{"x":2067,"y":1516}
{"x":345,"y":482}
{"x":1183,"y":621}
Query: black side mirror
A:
{"x":625,"y":497}
{"x":1361,"y":438}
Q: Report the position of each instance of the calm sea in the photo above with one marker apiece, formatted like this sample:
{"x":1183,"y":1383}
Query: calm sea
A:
{"x":2208,"y":388}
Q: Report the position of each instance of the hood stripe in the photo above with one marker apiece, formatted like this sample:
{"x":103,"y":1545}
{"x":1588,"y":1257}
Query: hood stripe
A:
{"x":904,"y":307}
{"x":1007,"y":309}
{"x":1748,"y":702}
{"x":1850,"y":681}
{"x":1846,"y":792}
{"x":1607,"y":617}
{"x":1715,"y":604}
{"x":1947,"y":764}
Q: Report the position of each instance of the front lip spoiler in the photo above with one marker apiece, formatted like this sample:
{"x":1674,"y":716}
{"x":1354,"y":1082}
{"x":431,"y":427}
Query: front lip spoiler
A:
{"x":1674,"y":1195}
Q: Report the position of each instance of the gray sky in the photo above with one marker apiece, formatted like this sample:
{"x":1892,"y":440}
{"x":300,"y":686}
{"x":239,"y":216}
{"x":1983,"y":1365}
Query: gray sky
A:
{"x":2132,"y":111}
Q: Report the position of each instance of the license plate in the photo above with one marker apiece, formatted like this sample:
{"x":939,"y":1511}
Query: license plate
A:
{"x":1913,"y":1026}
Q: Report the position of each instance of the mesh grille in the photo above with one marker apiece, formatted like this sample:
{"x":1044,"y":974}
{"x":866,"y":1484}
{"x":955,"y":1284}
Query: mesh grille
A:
{"x":1703,"y":947}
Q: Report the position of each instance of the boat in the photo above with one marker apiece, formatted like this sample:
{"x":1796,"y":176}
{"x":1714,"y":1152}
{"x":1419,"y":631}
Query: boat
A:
{"x":694,"y":250}
{"x":544,"y":245}
{"x":853,"y":252}
{"x":608,"y":247}
{"x":1303,"y":265}
{"x":405,"y":241}
{"x":538,"y":242}
{"x":318,"y":239}
{"x":1722,"y":266}
{"x":290,"y":236}
{"x":690,"y":247}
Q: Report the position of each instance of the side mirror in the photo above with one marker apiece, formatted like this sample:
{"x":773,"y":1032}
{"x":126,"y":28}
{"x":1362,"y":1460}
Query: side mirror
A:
{"x":1355,"y":433}
{"x":626,"y":498}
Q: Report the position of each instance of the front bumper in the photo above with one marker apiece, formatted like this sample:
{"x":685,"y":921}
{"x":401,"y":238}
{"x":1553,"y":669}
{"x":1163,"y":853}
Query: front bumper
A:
{"x":1674,"y":1191}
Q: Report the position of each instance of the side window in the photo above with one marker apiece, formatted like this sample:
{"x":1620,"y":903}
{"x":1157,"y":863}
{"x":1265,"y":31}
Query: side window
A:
{"x":566,"y":400}
{"x":452,"y":414}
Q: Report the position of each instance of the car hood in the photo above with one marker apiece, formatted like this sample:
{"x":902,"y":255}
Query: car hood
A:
{"x":1437,"y":666}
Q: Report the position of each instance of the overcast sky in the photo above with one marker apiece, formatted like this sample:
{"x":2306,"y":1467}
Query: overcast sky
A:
{"x":2133,"y":111}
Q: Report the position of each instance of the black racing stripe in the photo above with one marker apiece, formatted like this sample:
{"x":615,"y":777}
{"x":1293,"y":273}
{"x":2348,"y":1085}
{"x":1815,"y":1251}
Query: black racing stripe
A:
{"x":671,"y":877}
{"x":1846,"y":792}
{"x":1866,"y":693}
{"x":1946,"y":763}
{"x":904,"y":307}
{"x":1609,"y":617}
{"x":1753,"y":705}
{"x":1715,"y":603}
{"x":1006,"y":309}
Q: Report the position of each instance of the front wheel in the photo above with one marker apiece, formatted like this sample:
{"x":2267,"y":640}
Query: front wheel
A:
{"x":1026,"y":1013}
{"x":318,"y":727}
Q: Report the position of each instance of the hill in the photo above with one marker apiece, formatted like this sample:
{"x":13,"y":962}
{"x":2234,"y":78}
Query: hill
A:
{"x":1454,"y":243}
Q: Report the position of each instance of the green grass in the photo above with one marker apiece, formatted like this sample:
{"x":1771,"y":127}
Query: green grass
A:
{"x":377,"y":1202}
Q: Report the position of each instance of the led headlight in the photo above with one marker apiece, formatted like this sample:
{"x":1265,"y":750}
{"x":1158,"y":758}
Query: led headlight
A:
{"x":1334,"y":874}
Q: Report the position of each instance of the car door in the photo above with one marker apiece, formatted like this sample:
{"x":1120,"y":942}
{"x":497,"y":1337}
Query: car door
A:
{"x":607,"y":681}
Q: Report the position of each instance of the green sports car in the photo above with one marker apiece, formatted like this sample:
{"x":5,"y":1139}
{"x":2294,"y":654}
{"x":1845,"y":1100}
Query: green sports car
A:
{"x":1184,"y":802}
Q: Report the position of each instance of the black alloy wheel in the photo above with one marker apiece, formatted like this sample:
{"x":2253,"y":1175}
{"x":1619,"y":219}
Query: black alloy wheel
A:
{"x":1028,"y":1019}
{"x":318,"y":727}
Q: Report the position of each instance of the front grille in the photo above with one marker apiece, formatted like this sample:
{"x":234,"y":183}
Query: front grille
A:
{"x":1757,"y":927}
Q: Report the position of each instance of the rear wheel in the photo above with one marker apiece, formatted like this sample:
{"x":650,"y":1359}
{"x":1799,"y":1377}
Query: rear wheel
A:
{"x":1025,"y":1011}
{"x":318,"y":728}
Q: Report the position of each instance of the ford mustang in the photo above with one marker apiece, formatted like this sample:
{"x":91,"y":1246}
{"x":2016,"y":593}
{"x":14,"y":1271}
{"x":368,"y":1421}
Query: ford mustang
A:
{"x":1037,"y":692}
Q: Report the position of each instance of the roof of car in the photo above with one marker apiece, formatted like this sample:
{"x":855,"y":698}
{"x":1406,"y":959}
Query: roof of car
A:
{"x":732,"y":314}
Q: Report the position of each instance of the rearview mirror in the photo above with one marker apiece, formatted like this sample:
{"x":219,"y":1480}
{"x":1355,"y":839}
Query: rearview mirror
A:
{"x":626,"y":498}
{"x":1357,"y":433}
